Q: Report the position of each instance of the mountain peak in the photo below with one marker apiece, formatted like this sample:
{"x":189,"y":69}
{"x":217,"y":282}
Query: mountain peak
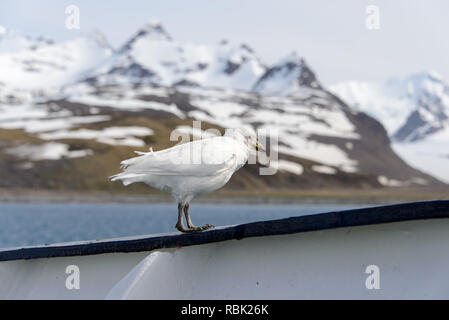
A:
{"x":292,"y":61}
{"x":287,"y":76}
{"x":153,"y":31}
{"x":241,"y":59}
{"x":428,"y":75}
{"x":293,"y":57}
{"x":416,"y":80}
{"x":13,"y":41}
{"x":247,"y":48}
{"x":98,"y":37}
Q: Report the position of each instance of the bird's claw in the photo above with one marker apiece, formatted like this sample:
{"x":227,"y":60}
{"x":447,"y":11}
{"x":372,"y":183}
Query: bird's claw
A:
{"x":201,"y":228}
{"x":194,"y":228}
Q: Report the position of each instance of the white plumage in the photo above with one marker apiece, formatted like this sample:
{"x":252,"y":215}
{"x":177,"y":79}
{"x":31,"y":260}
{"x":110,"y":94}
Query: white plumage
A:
{"x":191,"y":169}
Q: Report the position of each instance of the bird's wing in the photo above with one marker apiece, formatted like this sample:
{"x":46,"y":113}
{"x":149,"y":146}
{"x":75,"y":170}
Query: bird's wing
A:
{"x":198,"y":158}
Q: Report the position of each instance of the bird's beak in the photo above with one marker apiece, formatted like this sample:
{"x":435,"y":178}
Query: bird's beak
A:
{"x":259,"y":146}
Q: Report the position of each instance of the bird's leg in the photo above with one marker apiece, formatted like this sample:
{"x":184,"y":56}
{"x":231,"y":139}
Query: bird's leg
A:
{"x":180,"y":224}
{"x":190,"y":225}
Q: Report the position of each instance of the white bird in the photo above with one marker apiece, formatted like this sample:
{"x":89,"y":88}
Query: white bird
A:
{"x":191,"y":169}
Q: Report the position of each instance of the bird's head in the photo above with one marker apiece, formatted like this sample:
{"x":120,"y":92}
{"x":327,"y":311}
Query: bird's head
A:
{"x":247,"y":135}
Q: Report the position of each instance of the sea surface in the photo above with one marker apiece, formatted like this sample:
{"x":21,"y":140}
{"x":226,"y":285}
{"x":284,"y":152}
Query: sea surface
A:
{"x":34,"y":224}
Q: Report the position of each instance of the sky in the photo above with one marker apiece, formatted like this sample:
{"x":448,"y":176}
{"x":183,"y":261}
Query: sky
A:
{"x":331,"y":35}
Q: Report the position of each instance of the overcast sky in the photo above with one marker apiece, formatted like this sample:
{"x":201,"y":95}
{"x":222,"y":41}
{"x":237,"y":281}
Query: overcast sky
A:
{"x":331,"y":35}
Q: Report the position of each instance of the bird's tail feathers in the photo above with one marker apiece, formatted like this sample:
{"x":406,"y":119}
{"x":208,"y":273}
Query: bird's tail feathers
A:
{"x":142,"y":155}
{"x":130,"y":177}
{"x":127,"y":178}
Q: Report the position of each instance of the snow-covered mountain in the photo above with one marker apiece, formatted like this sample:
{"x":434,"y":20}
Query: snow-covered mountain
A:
{"x":411,"y":108}
{"x":12,"y":41}
{"x":91,"y":96}
{"x":152,"y":56}
{"x":415,"y":111}
{"x":41,"y":66}
{"x":288,"y":76}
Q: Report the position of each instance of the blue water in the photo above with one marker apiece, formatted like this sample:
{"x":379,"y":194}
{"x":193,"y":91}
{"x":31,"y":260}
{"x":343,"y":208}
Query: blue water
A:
{"x":33,"y":224}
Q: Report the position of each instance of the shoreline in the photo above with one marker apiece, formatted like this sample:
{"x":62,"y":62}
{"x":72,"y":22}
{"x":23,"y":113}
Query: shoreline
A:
{"x":374,"y":196}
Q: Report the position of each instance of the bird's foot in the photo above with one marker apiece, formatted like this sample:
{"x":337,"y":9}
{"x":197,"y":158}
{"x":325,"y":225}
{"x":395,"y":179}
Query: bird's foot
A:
{"x":205,"y":227}
{"x":194,"y":228}
{"x":180,"y":227}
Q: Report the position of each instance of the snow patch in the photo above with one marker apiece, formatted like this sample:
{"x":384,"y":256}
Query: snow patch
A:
{"x":324,"y":169}
{"x":196,"y":132}
{"x":44,"y":125}
{"x":47,"y":151}
{"x":132,"y":104}
{"x":391,"y":182}
{"x":124,"y":136}
{"x":288,"y":166}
